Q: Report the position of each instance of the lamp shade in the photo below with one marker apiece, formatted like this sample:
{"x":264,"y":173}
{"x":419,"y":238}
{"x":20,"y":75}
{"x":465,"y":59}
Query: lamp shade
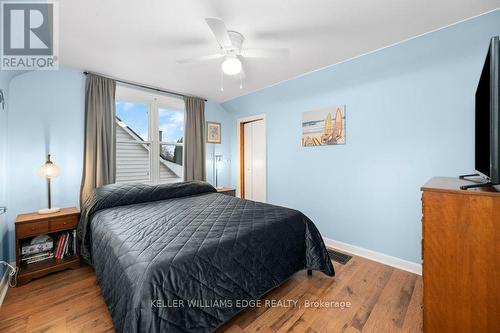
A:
{"x":49,"y":169}
{"x":231,"y":66}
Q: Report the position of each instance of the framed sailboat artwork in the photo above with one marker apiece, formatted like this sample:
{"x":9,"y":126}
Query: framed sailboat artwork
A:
{"x":324,"y":127}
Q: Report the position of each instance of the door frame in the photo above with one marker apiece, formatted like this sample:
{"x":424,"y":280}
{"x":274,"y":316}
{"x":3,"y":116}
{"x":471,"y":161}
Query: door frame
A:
{"x":239,"y":149}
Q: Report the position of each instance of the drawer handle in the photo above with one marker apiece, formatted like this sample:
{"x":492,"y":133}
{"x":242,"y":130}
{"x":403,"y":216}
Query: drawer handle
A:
{"x":65,"y":222}
{"x":32,"y":228}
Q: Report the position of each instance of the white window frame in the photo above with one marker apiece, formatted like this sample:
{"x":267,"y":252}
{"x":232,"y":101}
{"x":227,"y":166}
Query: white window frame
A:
{"x":154,"y":102}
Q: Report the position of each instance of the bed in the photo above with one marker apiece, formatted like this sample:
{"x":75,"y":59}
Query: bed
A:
{"x":184,"y":258}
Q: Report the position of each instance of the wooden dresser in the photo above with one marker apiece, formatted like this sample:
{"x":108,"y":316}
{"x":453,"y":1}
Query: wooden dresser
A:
{"x":227,"y":191}
{"x":460,"y":257}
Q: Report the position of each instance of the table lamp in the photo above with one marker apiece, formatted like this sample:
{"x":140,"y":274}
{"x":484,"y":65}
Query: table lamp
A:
{"x":218,"y":159}
{"x":49,"y":170}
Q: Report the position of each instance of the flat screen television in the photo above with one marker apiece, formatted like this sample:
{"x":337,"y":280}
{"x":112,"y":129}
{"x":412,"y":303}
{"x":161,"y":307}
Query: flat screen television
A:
{"x":487,"y":122}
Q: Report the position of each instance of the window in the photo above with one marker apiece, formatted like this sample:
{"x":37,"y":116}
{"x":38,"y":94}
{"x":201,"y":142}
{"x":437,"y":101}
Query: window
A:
{"x":171,"y":139}
{"x":133,"y":150}
{"x":149,"y":137}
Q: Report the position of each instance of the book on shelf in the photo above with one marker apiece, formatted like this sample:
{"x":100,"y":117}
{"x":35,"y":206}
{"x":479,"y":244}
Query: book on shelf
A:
{"x":39,"y":259}
{"x":63,"y":245}
{"x":28,"y":248}
{"x":60,"y":244}
{"x":66,"y":245}
{"x":37,"y":255}
{"x":29,"y":259}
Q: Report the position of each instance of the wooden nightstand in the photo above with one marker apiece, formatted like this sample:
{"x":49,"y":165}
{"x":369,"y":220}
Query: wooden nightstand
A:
{"x":34,"y":224}
{"x":227,"y":191}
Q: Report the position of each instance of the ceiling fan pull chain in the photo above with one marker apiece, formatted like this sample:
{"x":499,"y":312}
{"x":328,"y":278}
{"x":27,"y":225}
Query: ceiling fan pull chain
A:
{"x":241,"y":80}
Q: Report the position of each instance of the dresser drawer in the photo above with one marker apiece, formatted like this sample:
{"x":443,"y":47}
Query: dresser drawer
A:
{"x":63,"y":223}
{"x":32,"y":229}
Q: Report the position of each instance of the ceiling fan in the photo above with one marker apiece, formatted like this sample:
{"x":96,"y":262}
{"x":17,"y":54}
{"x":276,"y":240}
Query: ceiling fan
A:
{"x":231,"y":49}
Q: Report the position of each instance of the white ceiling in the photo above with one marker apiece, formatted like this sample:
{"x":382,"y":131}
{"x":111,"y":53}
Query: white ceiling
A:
{"x":140,"y":40}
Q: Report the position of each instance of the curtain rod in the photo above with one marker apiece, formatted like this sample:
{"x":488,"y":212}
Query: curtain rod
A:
{"x":141,"y":85}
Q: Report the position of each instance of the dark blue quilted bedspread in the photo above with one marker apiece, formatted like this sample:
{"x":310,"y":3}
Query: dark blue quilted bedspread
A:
{"x":181,"y":258}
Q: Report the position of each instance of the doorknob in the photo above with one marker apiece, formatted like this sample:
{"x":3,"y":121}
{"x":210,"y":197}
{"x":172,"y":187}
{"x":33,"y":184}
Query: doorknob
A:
{"x":3,"y":210}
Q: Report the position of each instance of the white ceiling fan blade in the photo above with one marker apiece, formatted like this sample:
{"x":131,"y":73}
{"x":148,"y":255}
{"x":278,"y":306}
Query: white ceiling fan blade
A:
{"x":265,"y":53}
{"x":219,"y":30}
{"x":199,"y":59}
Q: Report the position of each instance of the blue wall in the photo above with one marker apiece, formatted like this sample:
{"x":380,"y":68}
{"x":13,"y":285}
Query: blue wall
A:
{"x":45,"y":114}
{"x":410,"y":116}
{"x":214,"y":112}
{"x":5,"y":78}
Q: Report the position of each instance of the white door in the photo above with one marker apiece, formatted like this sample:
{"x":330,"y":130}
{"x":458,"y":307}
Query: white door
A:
{"x":254,"y":155}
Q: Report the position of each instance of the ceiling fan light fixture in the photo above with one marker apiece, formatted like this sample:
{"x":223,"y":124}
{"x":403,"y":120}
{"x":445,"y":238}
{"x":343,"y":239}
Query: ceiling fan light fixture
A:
{"x":231,"y":66}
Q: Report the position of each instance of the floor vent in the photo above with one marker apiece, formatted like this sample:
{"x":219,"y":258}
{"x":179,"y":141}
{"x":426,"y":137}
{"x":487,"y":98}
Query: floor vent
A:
{"x":339,"y":257}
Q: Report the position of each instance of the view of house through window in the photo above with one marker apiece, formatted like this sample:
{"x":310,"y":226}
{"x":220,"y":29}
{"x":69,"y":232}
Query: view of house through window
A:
{"x":171,"y":126}
{"x":149,"y":137}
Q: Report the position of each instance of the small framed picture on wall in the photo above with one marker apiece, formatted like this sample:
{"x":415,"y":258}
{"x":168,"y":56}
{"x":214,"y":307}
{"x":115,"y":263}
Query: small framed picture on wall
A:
{"x":213,"y":132}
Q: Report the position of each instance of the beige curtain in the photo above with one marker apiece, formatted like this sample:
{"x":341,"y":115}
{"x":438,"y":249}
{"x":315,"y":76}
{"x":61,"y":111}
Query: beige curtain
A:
{"x":194,"y":140}
{"x":99,"y":164}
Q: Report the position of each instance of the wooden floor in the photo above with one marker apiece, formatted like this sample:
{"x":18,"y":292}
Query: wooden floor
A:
{"x":383,"y":299}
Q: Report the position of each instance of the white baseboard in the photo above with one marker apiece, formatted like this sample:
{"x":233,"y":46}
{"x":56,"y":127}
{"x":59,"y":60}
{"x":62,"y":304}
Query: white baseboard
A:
{"x":375,"y":256}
